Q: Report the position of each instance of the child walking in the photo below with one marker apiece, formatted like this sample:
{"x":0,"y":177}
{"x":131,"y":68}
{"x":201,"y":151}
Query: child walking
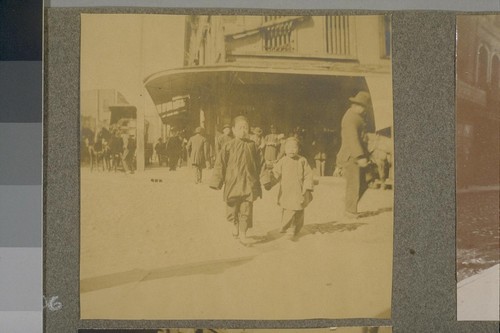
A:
{"x":295,"y":177}
{"x":237,"y":167}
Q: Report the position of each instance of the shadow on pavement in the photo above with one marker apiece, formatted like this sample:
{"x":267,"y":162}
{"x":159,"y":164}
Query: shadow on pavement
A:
{"x":375,"y":212}
{"x":269,"y":237}
{"x":308,"y":229}
{"x":323,"y":228}
{"x":139,"y":275}
{"x":216,"y":266}
{"x":329,"y":227}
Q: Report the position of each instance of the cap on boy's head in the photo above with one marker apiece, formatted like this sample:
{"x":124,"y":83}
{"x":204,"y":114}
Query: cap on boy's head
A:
{"x":226,"y":126}
{"x":291,"y":147}
{"x":198,"y":130}
{"x":240,"y":119}
{"x":292,"y":140}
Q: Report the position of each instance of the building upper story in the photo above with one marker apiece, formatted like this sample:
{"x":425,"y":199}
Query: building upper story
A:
{"x":332,"y":42}
{"x":478,"y":61}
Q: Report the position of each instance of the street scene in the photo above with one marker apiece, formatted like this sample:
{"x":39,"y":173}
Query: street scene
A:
{"x":478,"y":153}
{"x":241,"y":169}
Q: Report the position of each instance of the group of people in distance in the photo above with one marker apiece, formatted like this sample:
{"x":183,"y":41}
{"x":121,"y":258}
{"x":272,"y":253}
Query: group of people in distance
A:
{"x":245,"y":162}
{"x":108,"y":149}
{"x":171,"y":151}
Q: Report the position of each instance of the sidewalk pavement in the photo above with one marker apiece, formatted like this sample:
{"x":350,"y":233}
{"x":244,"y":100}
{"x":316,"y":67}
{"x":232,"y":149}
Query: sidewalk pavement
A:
{"x":163,"y":250}
{"x":478,"y":297}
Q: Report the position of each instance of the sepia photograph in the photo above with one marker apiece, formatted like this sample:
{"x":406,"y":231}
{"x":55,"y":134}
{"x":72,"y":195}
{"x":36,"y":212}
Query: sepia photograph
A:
{"x":236,"y":167}
{"x":477,"y":172}
{"x":367,"y":329}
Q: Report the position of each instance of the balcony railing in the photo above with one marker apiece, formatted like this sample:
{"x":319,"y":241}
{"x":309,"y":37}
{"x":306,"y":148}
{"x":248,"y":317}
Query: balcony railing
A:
{"x":280,"y":36}
{"x":339,"y":40}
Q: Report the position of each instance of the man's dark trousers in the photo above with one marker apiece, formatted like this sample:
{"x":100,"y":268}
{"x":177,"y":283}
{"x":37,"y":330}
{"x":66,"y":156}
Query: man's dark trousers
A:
{"x":355,"y":185}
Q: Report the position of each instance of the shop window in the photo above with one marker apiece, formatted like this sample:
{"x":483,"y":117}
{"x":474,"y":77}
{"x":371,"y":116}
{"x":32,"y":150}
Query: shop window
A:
{"x":338,"y":35}
{"x":482,"y":68}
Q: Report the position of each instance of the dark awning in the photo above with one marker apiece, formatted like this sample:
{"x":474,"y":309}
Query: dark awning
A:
{"x":165,"y":85}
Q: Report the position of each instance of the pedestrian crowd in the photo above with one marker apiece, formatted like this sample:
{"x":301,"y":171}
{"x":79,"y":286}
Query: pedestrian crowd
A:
{"x":108,"y":149}
{"x":172,"y":150}
{"x":244,"y":160}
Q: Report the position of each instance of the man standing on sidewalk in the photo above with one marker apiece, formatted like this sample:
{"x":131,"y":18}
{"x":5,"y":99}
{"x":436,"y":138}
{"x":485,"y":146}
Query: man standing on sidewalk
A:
{"x":174,"y":150}
{"x":197,"y":148}
{"x":221,"y":140}
{"x":352,"y":156}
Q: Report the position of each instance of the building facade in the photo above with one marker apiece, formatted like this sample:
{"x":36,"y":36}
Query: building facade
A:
{"x":288,"y":71}
{"x":478,"y":100}
{"x":104,"y":107}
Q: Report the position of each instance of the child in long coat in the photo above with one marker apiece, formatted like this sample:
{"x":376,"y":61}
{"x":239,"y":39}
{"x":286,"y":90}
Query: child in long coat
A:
{"x":295,"y":177}
{"x":238,"y":168}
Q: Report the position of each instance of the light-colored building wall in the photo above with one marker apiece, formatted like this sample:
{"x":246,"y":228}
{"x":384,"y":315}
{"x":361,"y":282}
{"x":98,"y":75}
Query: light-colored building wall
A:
{"x":369,"y":41}
{"x":95,"y":104}
{"x":310,"y":38}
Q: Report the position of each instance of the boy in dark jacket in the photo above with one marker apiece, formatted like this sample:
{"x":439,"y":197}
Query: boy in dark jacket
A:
{"x":238,"y":168}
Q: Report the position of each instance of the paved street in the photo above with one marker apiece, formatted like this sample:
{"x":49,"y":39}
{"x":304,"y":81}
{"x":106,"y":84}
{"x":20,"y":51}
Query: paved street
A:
{"x":478,"y":236}
{"x":163,"y":250}
{"x":478,"y":241}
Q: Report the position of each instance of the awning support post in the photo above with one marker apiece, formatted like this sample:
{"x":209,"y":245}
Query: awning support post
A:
{"x":140,"y":134}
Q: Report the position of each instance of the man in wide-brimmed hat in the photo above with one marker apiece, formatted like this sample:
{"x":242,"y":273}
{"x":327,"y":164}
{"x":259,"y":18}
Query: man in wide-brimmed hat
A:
{"x":197,"y":148}
{"x":222,"y":139}
{"x":352,"y":156}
